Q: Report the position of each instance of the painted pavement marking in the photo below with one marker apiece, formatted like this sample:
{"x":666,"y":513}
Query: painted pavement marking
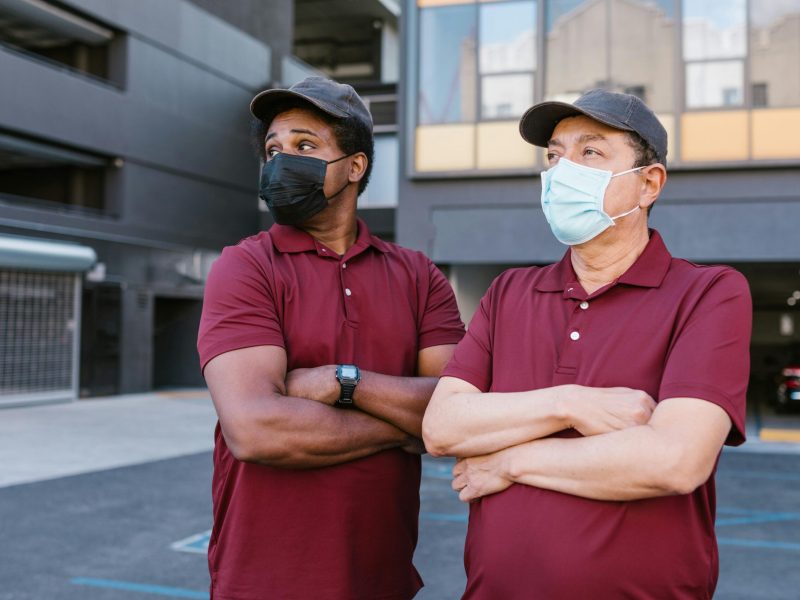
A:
{"x":128,"y":586}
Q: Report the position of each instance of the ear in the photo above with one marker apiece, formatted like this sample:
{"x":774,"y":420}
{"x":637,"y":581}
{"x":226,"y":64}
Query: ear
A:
{"x":653,"y":179}
{"x":358,"y":166}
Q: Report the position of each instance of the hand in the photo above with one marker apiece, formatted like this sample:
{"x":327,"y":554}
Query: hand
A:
{"x":414,"y":445}
{"x":592,"y":411}
{"x":318,"y":384}
{"x":480,"y":476}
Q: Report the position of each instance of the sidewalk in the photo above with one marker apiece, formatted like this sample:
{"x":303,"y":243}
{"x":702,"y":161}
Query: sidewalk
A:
{"x":46,"y":442}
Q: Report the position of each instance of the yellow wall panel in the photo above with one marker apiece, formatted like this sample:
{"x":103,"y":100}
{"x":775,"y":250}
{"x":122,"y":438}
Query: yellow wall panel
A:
{"x":445,"y":147}
{"x":710,"y":136}
{"x":668,"y":121}
{"x":500,"y":146}
{"x":776,"y":133}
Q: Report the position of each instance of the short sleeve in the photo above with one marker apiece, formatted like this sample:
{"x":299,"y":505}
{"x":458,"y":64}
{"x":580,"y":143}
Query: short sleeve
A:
{"x":441,"y":322}
{"x":710,"y":355}
{"x":472,"y":360}
{"x":238,"y":307}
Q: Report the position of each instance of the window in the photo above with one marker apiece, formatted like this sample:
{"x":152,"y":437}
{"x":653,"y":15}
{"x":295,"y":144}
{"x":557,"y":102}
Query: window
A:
{"x":59,"y":36}
{"x":477,"y":76}
{"x":775,"y":52}
{"x":507,"y":58}
{"x":623,"y":46}
{"x":447,"y":64}
{"x":34,"y":173}
{"x":714,"y":48}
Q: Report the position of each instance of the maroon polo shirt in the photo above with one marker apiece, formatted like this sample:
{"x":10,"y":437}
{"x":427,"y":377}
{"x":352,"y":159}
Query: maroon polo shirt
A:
{"x":346,"y":531}
{"x":666,"y":326}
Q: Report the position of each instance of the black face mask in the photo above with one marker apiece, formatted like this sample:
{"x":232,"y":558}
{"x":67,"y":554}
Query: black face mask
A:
{"x":292,"y":185}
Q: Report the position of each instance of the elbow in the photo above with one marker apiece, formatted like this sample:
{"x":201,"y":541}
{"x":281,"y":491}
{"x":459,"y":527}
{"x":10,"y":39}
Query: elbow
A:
{"x":434,"y":436}
{"x":246,"y":445}
{"x":241,"y":446}
{"x":684,"y":474}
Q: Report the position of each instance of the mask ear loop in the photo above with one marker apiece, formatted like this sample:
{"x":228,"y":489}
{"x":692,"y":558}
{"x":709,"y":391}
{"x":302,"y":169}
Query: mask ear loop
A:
{"x":344,"y":187}
{"x":635,"y":208}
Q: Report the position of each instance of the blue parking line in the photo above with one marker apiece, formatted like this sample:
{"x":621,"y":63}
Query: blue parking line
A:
{"x":775,"y":475}
{"x":724,"y":541}
{"x":462,"y":518}
{"x":127,"y":586}
{"x":437,"y":472}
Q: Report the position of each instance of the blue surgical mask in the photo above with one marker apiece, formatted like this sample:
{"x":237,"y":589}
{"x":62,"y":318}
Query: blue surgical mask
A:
{"x":572,"y":201}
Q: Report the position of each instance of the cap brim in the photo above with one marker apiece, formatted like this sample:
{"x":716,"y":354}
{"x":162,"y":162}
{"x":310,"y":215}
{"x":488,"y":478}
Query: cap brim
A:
{"x":537,"y":124}
{"x":264,"y":105}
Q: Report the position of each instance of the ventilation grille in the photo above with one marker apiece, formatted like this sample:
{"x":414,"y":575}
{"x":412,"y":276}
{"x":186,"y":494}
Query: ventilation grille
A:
{"x":37,"y":329}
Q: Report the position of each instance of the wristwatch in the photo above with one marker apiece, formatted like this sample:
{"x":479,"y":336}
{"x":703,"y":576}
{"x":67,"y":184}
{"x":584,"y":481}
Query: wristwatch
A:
{"x":348,"y":376}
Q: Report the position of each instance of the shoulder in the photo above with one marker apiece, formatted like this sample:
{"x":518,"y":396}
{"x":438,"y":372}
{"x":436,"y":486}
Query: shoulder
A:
{"x":249,"y":258}
{"x":705,"y":277}
{"x":519,"y":279}
{"x":414,"y":261}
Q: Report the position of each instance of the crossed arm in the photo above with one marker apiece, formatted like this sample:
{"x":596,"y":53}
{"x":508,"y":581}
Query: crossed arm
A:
{"x":288,"y":420}
{"x":632,"y":448}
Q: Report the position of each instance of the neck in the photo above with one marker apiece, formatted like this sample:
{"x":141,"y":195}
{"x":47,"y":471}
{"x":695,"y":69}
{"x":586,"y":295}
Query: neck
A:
{"x":604,"y":259}
{"x":336,"y":227}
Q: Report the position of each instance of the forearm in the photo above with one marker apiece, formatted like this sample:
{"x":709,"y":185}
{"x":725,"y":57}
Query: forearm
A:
{"x":400,"y":401}
{"x":298,"y":433}
{"x":630,"y":464}
{"x":473,"y":424}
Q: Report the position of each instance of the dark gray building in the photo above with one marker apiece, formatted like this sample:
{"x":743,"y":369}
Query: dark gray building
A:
{"x":723,"y":79}
{"x":124,"y":138}
{"x":126,"y":165}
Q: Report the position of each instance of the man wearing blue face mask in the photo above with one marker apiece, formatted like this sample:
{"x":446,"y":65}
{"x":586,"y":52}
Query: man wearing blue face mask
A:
{"x":590,"y":399}
{"x":321,"y":345}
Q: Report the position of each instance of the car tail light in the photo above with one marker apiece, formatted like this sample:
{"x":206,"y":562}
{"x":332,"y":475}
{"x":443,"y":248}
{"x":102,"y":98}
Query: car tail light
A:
{"x":793,"y":383}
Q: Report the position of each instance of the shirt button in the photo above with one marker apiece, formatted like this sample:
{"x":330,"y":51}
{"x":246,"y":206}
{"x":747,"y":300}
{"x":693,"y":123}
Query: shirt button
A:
{"x":348,"y":292}
{"x":574,"y":336}
{"x":584,"y":305}
{"x":344,"y":265}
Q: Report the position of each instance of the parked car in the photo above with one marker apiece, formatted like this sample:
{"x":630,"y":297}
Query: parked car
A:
{"x":788,"y":393}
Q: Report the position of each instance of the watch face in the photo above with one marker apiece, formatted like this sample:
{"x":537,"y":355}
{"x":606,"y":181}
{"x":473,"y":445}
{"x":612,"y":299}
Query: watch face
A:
{"x":348,"y":372}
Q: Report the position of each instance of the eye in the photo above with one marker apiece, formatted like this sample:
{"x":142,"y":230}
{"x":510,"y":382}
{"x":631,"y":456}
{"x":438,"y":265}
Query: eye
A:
{"x":305,"y":146}
{"x":552,"y":157}
{"x":590,"y":152}
{"x":271,"y":152}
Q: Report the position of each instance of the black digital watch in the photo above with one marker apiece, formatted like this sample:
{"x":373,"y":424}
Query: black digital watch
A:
{"x":348,"y":377}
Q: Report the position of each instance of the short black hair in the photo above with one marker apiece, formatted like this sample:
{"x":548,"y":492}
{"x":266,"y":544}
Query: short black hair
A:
{"x":351,"y":134}
{"x":644,"y":154}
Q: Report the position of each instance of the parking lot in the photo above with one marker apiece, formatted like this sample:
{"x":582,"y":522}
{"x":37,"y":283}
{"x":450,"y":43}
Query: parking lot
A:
{"x":138,"y":531}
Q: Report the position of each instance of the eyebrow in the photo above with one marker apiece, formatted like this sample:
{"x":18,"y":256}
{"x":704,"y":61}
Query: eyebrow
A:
{"x":306,"y":131}
{"x":586,"y":137}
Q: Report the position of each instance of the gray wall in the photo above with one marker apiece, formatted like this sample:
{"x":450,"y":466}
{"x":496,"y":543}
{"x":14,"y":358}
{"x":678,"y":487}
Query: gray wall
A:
{"x":737,"y":215}
{"x":175,"y":114}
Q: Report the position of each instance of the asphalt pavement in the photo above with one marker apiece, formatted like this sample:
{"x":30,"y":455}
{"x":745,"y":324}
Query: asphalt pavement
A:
{"x":130,"y":520}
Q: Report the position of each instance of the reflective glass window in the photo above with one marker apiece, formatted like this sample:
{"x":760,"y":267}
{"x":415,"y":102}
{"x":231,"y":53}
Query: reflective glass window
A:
{"x":711,"y":84}
{"x":447,"y":64}
{"x":507,"y":58}
{"x":714,"y":30}
{"x":576,"y":47}
{"x":642,"y":44}
{"x":775,"y":53}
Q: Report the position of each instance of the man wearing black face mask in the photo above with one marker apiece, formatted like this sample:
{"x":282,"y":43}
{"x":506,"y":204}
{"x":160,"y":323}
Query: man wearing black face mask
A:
{"x":321,"y":345}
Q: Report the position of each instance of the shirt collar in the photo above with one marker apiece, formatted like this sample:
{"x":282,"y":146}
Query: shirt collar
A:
{"x":288,"y":239}
{"x":649,"y":269}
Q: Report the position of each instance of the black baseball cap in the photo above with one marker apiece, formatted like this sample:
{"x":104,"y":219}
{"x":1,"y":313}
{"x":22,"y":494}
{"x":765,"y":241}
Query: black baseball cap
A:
{"x":338,"y":100}
{"x":620,"y":111}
